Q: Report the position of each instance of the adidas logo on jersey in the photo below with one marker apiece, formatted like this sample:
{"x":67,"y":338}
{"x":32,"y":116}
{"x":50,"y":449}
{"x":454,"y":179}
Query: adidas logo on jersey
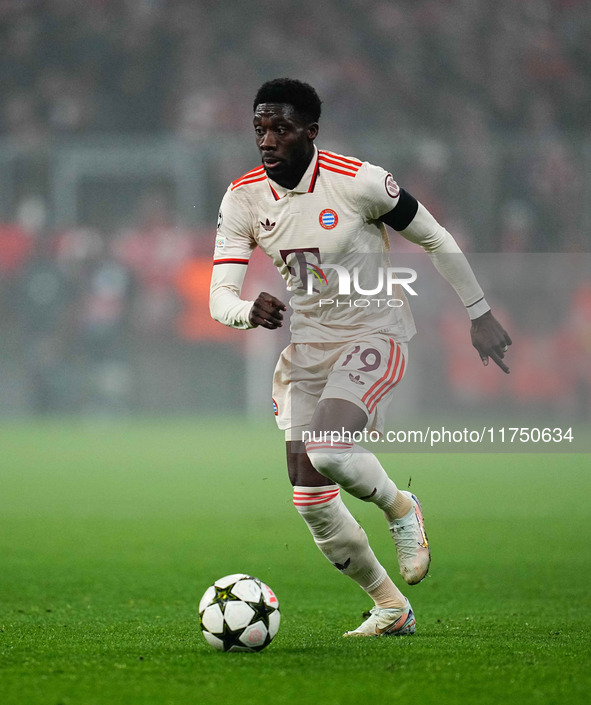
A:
{"x":268,"y":226}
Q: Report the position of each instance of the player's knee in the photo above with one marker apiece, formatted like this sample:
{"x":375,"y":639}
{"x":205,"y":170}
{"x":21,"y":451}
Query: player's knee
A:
{"x":328,"y":462}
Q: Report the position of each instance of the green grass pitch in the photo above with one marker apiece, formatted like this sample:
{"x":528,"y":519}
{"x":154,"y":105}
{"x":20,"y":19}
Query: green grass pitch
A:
{"x":109,"y":535}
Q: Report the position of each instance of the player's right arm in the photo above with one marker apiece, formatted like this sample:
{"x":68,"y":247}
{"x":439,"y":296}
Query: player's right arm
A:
{"x":233,"y":248}
{"x":234,"y":244}
{"x":225,"y":304}
{"x":228,"y":308}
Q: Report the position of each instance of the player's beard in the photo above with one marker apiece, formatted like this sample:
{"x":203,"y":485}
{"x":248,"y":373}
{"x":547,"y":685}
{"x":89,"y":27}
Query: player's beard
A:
{"x":288,"y":172}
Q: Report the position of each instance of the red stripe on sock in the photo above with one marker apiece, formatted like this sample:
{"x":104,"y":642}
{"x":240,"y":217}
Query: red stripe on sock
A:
{"x":305,"y":499}
{"x":316,"y":445}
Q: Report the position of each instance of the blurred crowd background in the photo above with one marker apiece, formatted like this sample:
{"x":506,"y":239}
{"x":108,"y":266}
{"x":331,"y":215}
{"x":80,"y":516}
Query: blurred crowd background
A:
{"x":123,"y":121}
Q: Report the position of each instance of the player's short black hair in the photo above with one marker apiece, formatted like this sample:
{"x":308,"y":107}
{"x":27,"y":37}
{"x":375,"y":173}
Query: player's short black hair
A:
{"x":300,"y":95}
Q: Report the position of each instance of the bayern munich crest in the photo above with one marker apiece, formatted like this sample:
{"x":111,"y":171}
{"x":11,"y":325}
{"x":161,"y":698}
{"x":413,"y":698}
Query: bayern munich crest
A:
{"x":328,"y":218}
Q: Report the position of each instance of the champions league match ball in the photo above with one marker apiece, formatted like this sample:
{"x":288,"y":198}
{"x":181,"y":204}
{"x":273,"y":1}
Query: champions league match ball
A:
{"x":239,"y":613}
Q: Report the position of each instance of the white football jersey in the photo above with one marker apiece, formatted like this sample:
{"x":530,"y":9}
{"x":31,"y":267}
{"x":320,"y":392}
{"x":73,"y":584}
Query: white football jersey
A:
{"x":325,"y":238}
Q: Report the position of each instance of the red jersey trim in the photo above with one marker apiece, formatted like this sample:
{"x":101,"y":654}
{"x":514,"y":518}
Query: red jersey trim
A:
{"x":392,"y":366}
{"x":393,"y":375}
{"x":352,"y":174}
{"x":392,"y":384}
{"x":230,"y":260}
{"x":243,"y":182}
{"x":341,"y":165}
{"x":314,"y":175}
{"x":253,"y":172}
{"x":346,"y":160}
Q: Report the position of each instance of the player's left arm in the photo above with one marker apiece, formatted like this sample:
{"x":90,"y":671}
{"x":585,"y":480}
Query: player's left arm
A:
{"x":414,"y":222}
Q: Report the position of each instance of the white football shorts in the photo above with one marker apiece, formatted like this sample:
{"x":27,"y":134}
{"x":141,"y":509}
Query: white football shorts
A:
{"x":364,"y":372}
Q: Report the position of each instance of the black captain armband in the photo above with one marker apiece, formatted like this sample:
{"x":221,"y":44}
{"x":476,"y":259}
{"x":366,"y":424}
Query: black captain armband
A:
{"x":401,"y":216}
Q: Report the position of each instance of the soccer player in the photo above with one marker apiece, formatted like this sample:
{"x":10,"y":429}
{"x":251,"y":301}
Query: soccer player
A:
{"x":320,"y":217}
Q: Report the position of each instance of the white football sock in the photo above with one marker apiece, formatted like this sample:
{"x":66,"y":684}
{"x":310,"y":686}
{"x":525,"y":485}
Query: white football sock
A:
{"x":355,"y":469}
{"x":338,"y":535}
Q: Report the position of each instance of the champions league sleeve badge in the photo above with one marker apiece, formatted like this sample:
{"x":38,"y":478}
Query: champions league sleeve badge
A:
{"x":392,"y":187}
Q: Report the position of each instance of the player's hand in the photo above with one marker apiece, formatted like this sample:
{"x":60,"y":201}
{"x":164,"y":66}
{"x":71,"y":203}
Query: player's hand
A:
{"x":266,"y":311}
{"x":490,"y":339}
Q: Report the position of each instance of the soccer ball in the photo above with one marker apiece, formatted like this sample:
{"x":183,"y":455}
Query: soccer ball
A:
{"x":239,"y":613}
